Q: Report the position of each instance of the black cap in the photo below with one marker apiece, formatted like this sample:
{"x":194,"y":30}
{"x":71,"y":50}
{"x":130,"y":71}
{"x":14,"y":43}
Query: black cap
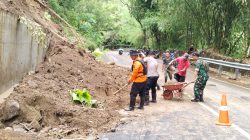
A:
{"x":133,"y":52}
{"x":151,"y":53}
{"x":196,"y":54}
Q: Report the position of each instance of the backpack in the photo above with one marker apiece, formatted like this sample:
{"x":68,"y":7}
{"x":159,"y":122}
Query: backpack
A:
{"x":145,"y":70}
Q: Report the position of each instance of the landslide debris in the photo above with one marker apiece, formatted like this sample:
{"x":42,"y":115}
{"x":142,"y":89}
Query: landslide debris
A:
{"x":44,"y":97}
{"x":43,"y":105}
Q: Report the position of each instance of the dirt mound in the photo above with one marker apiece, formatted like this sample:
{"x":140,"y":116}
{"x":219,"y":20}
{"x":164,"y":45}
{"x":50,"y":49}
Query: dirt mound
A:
{"x":6,"y":135}
{"x":45,"y":105}
{"x":44,"y":96}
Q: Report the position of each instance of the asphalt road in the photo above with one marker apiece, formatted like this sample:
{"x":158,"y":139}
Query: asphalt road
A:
{"x":182,"y":119}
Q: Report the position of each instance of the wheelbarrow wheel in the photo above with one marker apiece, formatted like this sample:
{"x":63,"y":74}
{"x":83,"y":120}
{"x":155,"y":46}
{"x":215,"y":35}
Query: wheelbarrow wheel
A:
{"x":167,"y":95}
{"x":179,"y":94}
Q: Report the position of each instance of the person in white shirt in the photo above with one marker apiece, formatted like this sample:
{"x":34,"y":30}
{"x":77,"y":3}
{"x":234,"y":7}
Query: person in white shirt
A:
{"x":141,"y":54}
{"x":152,"y":74}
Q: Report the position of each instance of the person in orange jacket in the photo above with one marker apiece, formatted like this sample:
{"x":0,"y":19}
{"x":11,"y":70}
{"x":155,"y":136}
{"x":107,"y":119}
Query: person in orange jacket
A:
{"x":139,"y":80}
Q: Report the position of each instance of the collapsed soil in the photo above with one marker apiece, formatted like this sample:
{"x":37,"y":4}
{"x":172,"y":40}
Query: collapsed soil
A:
{"x":44,"y":96}
{"x":46,"y":108}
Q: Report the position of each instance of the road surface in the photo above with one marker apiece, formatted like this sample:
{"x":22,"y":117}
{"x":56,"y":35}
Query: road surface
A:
{"x":183,"y":119}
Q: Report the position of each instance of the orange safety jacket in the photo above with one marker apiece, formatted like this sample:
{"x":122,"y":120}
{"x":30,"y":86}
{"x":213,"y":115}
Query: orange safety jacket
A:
{"x":137,"y":74}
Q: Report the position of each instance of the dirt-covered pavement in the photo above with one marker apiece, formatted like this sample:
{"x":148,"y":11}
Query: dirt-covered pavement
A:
{"x":182,"y":119}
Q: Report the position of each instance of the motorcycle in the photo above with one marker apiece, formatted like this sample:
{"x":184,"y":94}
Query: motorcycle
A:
{"x":120,"y":52}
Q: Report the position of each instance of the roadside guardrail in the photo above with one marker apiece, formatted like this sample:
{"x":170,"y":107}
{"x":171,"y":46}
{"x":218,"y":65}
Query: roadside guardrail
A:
{"x":222,"y":63}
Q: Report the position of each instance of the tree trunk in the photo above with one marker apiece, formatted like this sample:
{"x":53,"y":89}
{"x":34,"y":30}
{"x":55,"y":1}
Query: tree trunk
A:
{"x":144,"y":34}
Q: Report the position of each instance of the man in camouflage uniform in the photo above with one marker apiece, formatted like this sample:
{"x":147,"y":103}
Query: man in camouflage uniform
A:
{"x":201,"y":75}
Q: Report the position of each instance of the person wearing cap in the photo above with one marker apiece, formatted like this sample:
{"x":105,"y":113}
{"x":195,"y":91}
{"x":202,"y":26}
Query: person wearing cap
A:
{"x":201,"y":77}
{"x":183,"y":65}
{"x":172,"y":54}
{"x":139,"y":80}
{"x":141,"y":54}
{"x":152,"y":75}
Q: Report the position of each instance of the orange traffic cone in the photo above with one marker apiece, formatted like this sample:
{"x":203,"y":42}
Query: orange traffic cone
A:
{"x":224,"y":117}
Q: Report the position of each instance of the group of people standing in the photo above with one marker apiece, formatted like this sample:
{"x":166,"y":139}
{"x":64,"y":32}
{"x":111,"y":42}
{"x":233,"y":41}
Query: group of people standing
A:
{"x":145,"y":75}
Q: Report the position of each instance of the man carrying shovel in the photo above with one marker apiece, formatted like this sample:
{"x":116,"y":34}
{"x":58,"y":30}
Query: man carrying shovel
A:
{"x":139,"y":80}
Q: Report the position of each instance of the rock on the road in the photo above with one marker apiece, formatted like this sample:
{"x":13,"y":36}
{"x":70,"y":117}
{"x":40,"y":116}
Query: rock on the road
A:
{"x":8,"y":129}
{"x":35,"y":125}
{"x":10,"y":110}
{"x":1,"y":125}
{"x":111,"y":63}
{"x":19,"y":128}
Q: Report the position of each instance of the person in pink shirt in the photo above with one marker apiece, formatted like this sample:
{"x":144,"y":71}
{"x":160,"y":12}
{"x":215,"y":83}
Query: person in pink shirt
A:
{"x":183,"y":65}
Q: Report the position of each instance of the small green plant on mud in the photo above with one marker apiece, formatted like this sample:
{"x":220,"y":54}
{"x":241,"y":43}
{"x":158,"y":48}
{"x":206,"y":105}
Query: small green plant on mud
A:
{"x":81,"y":96}
{"x":98,"y":54}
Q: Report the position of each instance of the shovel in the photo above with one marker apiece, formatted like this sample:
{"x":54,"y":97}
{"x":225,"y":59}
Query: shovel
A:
{"x":120,"y":89}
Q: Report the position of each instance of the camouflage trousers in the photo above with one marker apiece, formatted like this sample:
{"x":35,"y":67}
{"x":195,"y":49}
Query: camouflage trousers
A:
{"x":200,"y":85}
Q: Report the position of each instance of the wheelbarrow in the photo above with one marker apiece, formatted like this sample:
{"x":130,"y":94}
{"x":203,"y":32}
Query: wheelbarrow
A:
{"x":176,"y":89}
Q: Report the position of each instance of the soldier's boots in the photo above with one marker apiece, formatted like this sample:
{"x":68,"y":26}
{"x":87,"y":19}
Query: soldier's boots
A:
{"x":201,"y":98}
{"x":196,"y":99}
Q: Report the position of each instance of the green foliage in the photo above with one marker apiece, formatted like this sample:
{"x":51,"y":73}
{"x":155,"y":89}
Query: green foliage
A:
{"x":81,"y":96}
{"x":129,"y":29}
{"x":36,"y":30}
{"x":97,"y":19}
{"x":180,"y":24}
{"x":98,"y":53}
{"x":161,"y":24}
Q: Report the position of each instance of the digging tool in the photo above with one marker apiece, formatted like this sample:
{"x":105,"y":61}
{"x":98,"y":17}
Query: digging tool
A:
{"x":120,"y":89}
{"x":168,"y":67}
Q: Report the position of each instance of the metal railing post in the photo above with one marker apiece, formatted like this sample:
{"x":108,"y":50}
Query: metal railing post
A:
{"x":237,"y":73}
{"x":222,"y":64}
{"x":219,"y":70}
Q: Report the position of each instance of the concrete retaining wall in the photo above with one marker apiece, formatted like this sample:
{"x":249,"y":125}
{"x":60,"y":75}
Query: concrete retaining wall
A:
{"x":19,"y":51}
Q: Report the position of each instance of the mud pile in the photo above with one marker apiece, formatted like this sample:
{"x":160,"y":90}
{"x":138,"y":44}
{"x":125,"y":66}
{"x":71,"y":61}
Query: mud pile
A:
{"x":44,"y":96}
{"x":46,"y":108}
